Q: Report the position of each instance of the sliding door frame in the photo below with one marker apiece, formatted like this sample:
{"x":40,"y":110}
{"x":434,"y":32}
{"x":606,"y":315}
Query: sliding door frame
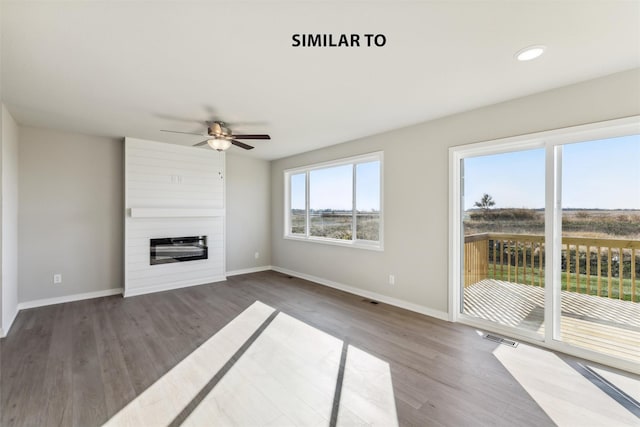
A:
{"x":552,"y":141}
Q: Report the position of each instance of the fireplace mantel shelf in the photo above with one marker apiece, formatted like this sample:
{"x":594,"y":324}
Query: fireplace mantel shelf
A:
{"x":175,"y":212}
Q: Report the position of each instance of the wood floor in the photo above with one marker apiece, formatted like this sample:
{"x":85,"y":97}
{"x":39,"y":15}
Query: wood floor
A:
{"x":79,"y":363}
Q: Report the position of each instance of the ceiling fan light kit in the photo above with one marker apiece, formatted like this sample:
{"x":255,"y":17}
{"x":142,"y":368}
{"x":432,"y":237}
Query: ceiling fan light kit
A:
{"x":219,"y":144}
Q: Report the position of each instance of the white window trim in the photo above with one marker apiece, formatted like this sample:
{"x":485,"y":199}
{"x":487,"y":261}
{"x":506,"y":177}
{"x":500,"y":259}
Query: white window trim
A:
{"x":355,"y":243}
{"x":552,"y":141}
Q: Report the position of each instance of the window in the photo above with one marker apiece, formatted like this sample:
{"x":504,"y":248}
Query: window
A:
{"x":338,"y":202}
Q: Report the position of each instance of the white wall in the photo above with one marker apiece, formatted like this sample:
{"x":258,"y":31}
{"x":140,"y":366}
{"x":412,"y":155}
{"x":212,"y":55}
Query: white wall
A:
{"x":71,"y":214}
{"x":248,"y":213}
{"x":159,"y":177}
{"x":416,"y":195}
{"x":9,"y":219}
{"x":2,"y":332}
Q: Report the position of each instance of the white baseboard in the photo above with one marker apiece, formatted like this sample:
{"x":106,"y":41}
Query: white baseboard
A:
{"x":4,"y":333}
{"x":367,"y":294}
{"x":68,"y":298}
{"x":249,"y":270}
{"x":167,"y":287}
{"x":141,"y":291}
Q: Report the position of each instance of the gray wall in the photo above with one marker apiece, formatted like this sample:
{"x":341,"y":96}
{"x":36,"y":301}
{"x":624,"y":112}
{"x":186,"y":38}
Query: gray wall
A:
{"x":416,"y":187}
{"x":71,"y":213}
{"x":248,"y":212}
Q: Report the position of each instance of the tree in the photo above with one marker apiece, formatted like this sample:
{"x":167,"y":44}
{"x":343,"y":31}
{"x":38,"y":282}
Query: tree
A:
{"x":485,"y":202}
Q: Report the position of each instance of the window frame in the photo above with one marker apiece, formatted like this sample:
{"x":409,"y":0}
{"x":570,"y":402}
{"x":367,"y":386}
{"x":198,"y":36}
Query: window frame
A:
{"x":307,"y":169}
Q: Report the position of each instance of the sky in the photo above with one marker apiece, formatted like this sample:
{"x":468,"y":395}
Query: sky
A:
{"x":332,"y":188}
{"x":602,"y":174}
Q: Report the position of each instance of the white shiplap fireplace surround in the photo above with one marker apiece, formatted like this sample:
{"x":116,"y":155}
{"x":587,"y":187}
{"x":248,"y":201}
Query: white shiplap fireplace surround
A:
{"x":172,"y":191}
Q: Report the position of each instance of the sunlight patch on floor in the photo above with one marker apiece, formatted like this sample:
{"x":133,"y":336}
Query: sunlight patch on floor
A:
{"x":562,"y":392}
{"x":287,"y":376}
{"x":367,"y":392}
{"x":159,"y":404}
{"x":628,"y":385}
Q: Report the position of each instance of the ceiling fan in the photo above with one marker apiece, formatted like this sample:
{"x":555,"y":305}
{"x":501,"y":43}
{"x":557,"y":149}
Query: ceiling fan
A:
{"x":219,"y":137}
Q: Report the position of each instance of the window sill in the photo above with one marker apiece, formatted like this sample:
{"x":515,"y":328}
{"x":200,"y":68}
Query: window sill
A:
{"x":335,"y":242}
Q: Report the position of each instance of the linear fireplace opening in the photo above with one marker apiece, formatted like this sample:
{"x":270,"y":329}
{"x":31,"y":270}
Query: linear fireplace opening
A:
{"x":178,"y":249}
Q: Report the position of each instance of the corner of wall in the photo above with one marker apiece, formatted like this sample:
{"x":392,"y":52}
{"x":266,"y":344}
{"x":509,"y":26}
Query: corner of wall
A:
{"x":9,"y":219}
{"x":2,"y":334}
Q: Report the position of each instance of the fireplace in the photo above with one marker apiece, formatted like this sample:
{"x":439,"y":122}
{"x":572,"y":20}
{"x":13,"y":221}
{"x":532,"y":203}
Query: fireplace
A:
{"x":178,"y":249}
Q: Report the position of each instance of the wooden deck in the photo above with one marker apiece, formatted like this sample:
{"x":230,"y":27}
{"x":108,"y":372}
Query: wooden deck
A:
{"x":602,"y":324}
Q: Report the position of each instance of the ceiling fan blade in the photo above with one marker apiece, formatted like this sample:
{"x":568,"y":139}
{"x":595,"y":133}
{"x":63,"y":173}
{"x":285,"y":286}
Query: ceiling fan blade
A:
{"x":251,"y":136}
{"x":177,"y":118}
{"x":201,"y":143}
{"x":241,"y":145}
{"x":188,"y":133}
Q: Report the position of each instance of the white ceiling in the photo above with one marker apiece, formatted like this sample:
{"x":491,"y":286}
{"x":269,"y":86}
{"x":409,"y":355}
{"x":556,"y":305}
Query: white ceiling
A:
{"x":131,"y":68}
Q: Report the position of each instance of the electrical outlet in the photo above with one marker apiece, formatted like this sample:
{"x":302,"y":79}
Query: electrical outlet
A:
{"x":392,"y":279}
{"x":256,"y":255}
{"x":57,"y":278}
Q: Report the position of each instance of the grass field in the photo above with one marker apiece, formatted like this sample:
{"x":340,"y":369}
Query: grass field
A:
{"x":338,"y":225}
{"x":583,"y":286}
{"x":606,"y":224}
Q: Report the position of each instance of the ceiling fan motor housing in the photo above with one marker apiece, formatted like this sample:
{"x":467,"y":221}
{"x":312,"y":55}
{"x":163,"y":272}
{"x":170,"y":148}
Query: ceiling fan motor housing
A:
{"x":218,"y":130}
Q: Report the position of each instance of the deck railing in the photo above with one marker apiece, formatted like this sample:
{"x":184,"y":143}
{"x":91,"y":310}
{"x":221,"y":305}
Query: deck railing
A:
{"x":603,"y":267}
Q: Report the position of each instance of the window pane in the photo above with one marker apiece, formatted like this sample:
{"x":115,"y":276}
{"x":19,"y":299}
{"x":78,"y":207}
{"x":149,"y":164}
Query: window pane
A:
{"x":331,"y":202}
{"x":600,"y":269}
{"x":503,"y":225}
{"x":298,"y":204}
{"x":368,"y":201}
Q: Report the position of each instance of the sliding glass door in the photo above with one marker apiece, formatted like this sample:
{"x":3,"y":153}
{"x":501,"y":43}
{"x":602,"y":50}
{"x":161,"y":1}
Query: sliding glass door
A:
{"x":546,"y":236}
{"x":503,"y":227}
{"x":600,"y":254}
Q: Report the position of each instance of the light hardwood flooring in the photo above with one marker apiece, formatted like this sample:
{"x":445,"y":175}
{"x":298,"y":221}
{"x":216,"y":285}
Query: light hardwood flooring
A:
{"x":105,"y":360}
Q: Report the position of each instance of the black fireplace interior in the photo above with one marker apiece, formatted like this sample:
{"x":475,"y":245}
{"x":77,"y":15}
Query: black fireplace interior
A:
{"x":178,"y":249}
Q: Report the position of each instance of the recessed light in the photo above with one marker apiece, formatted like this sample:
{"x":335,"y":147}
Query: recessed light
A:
{"x":530,"y":52}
